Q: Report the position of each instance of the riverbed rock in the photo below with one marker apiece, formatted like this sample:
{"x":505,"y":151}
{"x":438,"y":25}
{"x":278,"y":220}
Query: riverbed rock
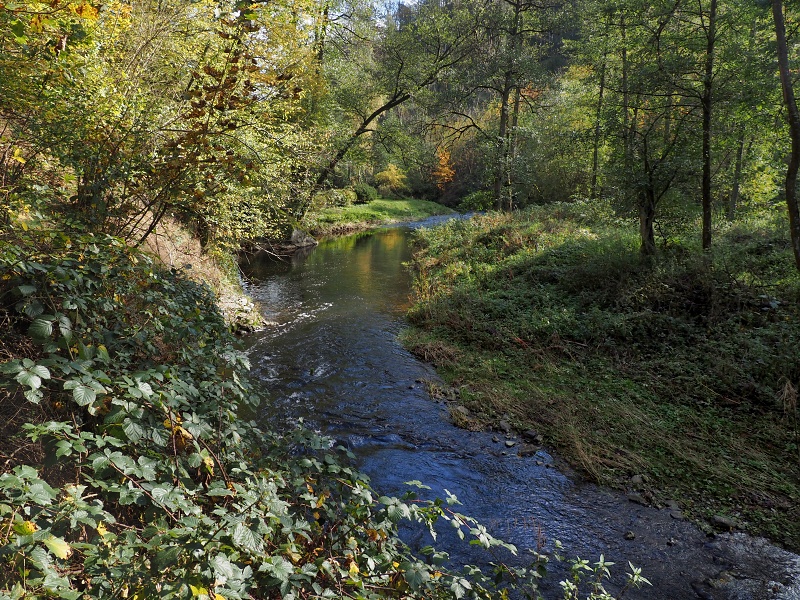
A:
{"x":533,"y":436}
{"x":495,"y":439}
{"x":724,"y":522}
{"x":510,"y":443}
{"x":301,"y":239}
{"x":637,"y":480}
{"x":461,"y":411}
{"x":504,"y":426}
{"x":629,"y":535}
{"x":637,"y":499}
{"x":676,"y":514}
{"x":526,"y":450}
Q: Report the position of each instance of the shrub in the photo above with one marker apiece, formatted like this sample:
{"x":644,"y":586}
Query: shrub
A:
{"x":479,"y":200}
{"x":334,"y":197}
{"x":392,"y":182}
{"x":365,"y":193}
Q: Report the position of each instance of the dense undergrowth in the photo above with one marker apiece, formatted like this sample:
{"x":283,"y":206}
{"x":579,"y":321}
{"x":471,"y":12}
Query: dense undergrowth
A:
{"x":129,"y":473}
{"x":675,"y":378}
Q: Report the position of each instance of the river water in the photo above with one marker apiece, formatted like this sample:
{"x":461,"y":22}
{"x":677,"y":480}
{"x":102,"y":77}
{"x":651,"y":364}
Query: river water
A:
{"x":330,"y":355}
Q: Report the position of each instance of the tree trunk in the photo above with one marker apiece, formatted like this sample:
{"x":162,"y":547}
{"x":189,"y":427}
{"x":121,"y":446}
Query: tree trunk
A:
{"x":598,"y":114}
{"x":647,"y":218}
{"x":708,"y":89}
{"x":626,"y":134}
{"x":500,"y":174}
{"x":793,"y":117}
{"x":647,"y":208}
{"x":363,"y":128}
{"x":737,"y":178}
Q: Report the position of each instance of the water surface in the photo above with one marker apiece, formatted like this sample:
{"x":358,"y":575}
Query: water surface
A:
{"x":330,"y":355}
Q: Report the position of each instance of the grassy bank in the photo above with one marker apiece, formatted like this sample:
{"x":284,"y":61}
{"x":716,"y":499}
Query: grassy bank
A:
{"x":357,"y":217}
{"x":674,"y":380}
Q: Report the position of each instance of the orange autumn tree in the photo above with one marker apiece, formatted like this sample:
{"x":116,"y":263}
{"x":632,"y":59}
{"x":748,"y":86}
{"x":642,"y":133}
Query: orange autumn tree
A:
{"x":444,"y":172}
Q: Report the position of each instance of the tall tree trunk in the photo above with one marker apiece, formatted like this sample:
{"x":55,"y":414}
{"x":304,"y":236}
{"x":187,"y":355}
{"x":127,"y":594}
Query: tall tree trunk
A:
{"x":647,"y":207}
{"x":626,"y":101}
{"x":500,"y":174}
{"x":597,"y":116}
{"x":708,"y":89}
{"x":512,"y":142}
{"x":737,"y":178}
{"x":503,"y":176}
{"x":793,"y":118}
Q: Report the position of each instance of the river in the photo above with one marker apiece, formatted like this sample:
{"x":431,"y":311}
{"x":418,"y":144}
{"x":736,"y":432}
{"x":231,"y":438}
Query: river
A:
{"x":330,"y":355}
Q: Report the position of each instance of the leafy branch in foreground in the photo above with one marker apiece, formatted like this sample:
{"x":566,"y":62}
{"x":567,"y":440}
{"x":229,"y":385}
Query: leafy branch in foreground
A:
{"x":151,"y":484}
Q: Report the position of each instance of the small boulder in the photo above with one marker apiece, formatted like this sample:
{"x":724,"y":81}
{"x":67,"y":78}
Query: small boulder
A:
{"x":724,"y":522}
{"x":461,"y":411}
{"x":638,"y":499}
{"x":526,"y":450}
{"x":302,"y":239}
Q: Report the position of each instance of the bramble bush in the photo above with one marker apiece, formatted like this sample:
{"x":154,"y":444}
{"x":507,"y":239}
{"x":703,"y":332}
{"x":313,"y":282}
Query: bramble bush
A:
{"x":147,"y":481}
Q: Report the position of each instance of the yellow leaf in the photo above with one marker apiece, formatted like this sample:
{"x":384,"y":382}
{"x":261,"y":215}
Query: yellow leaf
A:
{"x":85,"y":11}
{"x":208,"y":464}
{"x":198,"y":591}
{"x":218,"y":597}
{"x":36,"y":23}
{"x":25,"y":528}
{"x":101,"y":529}
{"x":58,"y":547}
{"x":353,"y":569}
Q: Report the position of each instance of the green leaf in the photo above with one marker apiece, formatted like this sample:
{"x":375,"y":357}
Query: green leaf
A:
{"x":12,"y":366}
{"x":18,"y":29}
{"x":58,"y":547}
{"x":168,"y":557}
{"x":65,"y":327}
{"x":41,"y":371}
{"x":26,"y":290}
{"x":41,"y":328}
{"x":414,"y":575}
{"x":33,"y":396}
{"x":247,"y":539}
{"x":84,"y":395}
{"x":222,"y":566}
{"x":133,"y":430}
{"x":32,"y":380}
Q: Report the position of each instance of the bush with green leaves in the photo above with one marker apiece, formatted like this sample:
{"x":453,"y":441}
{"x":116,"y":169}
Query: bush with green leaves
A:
{"x":150,"y":484}
{"x":365,"y":193}
{"x":479,"y":200}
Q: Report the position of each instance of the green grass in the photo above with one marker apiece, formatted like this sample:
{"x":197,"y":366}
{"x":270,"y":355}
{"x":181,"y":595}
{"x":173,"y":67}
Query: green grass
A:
{"x":683,"y":370}
{"x":333,"y":220}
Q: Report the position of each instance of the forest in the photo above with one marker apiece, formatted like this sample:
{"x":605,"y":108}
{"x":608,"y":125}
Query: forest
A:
{"x":636,"y":269}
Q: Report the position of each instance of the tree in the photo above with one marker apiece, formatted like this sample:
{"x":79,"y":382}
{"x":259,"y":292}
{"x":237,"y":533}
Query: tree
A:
{"x":154,"y":107}
{"x":372,"y":68}
{"x":793,"y":118}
